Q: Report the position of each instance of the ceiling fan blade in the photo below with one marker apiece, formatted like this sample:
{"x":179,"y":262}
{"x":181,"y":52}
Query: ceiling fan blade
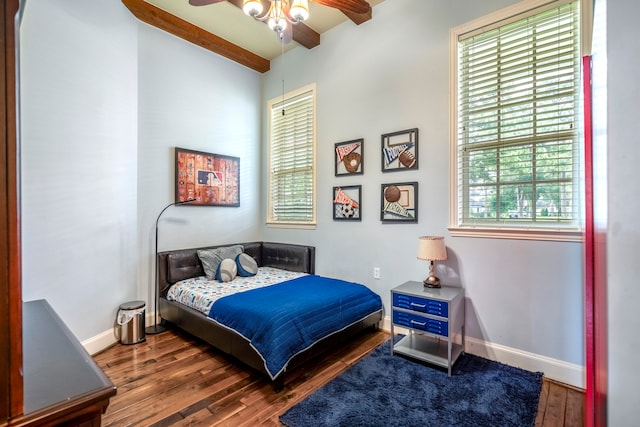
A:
{"x":203,"y":2}
{"x":354,"y":6}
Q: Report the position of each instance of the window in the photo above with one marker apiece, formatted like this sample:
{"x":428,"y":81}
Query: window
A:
{"x":291,"y":186}
{"x":517,"y":145}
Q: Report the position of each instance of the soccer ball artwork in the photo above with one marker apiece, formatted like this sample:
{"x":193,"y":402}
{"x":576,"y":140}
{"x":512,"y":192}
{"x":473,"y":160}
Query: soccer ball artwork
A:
{"x":346,"y":210}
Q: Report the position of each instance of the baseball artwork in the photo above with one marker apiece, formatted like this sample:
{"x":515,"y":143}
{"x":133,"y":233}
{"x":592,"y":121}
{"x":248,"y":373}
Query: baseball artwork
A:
{"x":349,"y":158}
{"x":207,"y":179}
{"x":346,"y":203}
{"x":399,"y":202}
{"x":400,"y":150}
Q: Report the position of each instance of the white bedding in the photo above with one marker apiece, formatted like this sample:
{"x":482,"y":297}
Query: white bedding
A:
{"x":200,"y":293}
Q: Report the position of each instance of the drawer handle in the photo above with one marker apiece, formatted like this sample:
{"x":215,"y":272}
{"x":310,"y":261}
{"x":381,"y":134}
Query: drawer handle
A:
{"x":414,"y":322}
{"x":413,"y":304}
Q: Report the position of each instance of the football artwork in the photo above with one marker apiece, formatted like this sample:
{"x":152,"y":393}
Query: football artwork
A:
{"x":400,"y":150}
{"x":346,"y":203}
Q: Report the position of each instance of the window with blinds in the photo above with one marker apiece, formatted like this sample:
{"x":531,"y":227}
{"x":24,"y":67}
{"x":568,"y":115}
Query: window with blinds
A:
{"x":291,"y":159}
{"x":518,"y":150}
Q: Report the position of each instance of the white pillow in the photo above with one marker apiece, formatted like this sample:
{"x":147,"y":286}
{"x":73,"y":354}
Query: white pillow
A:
{"x":227,"y":270}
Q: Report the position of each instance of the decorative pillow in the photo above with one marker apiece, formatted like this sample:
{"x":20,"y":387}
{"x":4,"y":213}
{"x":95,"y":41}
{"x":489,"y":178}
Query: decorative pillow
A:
{"x":246,"y":265}
{"x":211,"y":258}
{"x":226,"y":270}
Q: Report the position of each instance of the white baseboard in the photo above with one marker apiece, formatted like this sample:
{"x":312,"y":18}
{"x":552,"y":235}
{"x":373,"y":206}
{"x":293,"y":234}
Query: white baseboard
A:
{"x":107,"y":338}
{"x":554,"y":369}
{"x":557,"y":370}
{"x":101,"y":341}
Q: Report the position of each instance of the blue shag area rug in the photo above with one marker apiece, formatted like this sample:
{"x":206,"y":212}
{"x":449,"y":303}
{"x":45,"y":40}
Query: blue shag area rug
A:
{"x":385,"y":390}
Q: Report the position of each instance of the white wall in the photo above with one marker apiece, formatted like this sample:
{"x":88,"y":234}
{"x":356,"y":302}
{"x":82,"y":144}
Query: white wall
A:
{"x":389,"y":74}
{"x":191,"y":98}
{"x":78,"y":87}
{"x":623,"y":237}
{"x":105,"y":99}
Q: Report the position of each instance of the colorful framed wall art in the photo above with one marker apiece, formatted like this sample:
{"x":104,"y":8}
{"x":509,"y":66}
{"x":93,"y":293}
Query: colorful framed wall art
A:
{"x":349,"y":157}
{"x":399,"y":202}
{"x":347,"y":203}
{"x":400,"y":150}
{"x":209,"y":179}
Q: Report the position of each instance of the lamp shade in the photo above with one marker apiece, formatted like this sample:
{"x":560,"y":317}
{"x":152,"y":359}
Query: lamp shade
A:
{"x":299,"y":10}
{"x":432,"y":248}
{"x":252,"y":7}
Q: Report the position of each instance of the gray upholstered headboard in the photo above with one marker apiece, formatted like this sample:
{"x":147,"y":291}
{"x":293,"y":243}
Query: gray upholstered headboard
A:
{"x":184,"y":263}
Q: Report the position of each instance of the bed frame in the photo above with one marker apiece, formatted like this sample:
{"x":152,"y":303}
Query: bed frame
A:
{"x":184,"y":263}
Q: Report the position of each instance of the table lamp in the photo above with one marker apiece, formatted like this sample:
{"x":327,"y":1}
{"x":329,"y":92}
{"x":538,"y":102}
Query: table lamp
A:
{"x":432,"y":248}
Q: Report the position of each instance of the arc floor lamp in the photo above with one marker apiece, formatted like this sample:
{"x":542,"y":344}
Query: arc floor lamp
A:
{"x":157,"y":328}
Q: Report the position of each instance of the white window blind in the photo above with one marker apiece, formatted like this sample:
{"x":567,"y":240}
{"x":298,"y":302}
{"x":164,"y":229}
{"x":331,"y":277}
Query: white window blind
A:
{"x":518,"y":128}
{"x":291,"y":160}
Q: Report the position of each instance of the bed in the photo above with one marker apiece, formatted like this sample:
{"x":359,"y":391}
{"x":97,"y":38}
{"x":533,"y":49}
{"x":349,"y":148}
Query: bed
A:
{"x":217,"y":323}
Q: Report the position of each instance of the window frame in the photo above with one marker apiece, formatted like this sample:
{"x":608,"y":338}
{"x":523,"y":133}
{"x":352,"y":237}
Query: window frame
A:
{"x":573,"y":232}
{"x":271,"y":221}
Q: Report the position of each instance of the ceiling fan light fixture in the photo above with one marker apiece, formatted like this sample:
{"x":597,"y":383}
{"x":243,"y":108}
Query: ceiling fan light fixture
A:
{"x":280,"y":13}
{"x":252,"y":8}
{"x":277,"y":16}
{"x":299,"y":10}
{"x":277,"y":24}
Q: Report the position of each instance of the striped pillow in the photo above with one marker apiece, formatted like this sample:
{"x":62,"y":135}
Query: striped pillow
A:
{"x":227,"y":270}
{"x":246,"y":265}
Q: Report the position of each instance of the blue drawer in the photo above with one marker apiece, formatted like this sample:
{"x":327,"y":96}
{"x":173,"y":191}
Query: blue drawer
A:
{"x":424,"y":305}
{"x":415,"y":321}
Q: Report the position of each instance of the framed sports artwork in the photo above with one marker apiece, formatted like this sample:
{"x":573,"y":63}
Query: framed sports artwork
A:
{"x":347,"y":203}
{"x":400,"y":150}
{"x":349,"y":157}
{"x":399,"y":202}
{"x":207,"y":179}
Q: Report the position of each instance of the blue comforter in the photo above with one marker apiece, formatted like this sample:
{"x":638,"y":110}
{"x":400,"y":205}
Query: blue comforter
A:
{"x":282,"y":320}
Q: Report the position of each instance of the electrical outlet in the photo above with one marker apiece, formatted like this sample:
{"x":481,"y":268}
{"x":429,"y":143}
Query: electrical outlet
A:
{"x":376,"y":272}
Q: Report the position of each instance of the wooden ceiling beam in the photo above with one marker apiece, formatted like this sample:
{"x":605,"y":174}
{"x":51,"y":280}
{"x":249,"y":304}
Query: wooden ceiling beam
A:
{"x":157,"y":17}
{"x":358,"y":18}
{"x":302,"y":34}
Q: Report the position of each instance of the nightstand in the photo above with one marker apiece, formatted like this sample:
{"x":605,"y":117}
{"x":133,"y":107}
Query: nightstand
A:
{"x":434,"y":317}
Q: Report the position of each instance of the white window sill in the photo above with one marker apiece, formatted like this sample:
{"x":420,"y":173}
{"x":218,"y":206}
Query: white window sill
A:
{"x":294,"y":225}
{"x":569,"y":235}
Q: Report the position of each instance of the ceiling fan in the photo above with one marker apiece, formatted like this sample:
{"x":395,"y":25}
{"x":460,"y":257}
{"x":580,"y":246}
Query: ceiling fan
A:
{"x":352,"y":6}
{"x":278,"y":13}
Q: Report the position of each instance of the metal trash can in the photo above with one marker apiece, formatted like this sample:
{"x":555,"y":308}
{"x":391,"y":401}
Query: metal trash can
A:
{"x":131,"y":322}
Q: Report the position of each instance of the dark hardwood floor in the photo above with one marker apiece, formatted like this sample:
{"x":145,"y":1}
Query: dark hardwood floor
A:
{"x":173,"y":379}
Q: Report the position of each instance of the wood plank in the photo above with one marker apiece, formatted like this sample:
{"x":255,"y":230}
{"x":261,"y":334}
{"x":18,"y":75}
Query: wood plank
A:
{"x":542,"y":403}
{"x":574,"y":414}
{"x":157,"y":17}
{"x":556,"y":404}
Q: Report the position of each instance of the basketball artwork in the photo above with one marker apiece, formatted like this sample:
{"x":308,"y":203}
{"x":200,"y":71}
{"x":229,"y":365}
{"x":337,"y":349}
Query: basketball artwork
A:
{"x":347,"y":203}
{"x":399,"y":202}
{"x":207,"y":179}
{"x":400,"y":150}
